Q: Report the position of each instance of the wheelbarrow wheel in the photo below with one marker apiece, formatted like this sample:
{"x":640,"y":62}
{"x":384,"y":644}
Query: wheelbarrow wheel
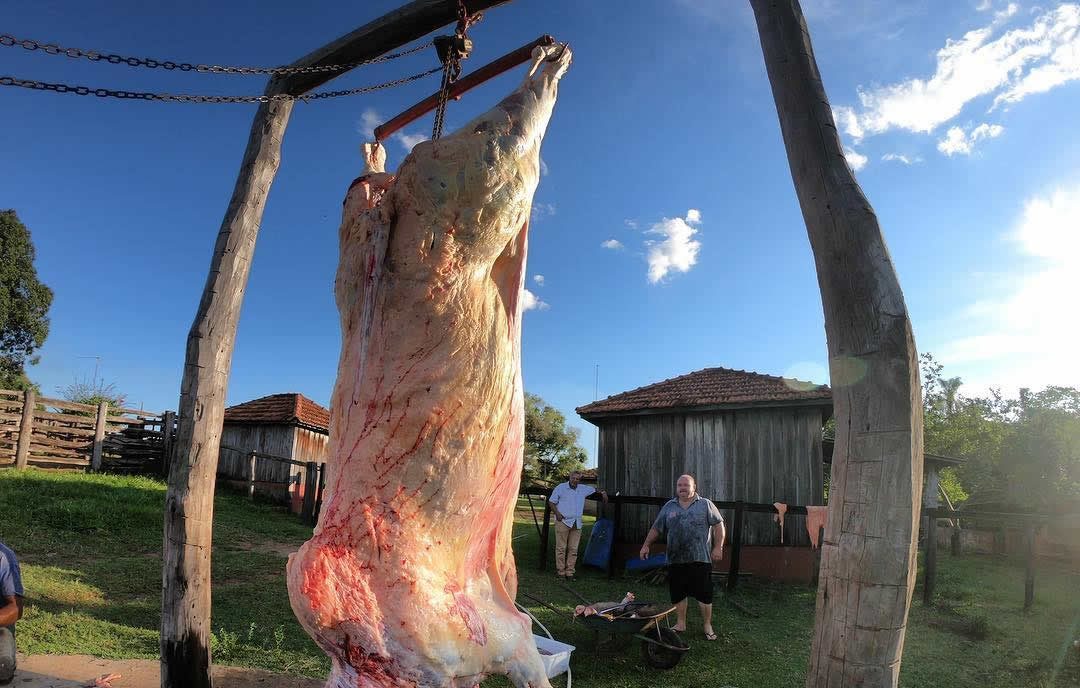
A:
{"x":658,"y":656}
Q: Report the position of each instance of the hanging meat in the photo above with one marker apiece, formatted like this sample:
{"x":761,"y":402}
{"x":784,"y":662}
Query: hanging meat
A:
{"x":409,"y":578}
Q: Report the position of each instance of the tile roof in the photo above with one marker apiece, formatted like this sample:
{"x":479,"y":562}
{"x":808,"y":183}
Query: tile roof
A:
{"x":710,"y":387}
{"x":289,"y":408}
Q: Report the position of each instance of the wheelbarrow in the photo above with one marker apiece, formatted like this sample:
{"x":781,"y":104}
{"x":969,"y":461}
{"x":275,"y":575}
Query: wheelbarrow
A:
{"x":661,"y":647}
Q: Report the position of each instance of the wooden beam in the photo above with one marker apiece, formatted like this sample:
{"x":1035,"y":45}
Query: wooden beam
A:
{"x":189,"y":502}
{"x":736,"y":546}
{"x":930,"y":564}
{"x":385,"y":34}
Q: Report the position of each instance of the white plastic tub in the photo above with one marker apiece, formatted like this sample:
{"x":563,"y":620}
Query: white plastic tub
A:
{"x":557,"y":659}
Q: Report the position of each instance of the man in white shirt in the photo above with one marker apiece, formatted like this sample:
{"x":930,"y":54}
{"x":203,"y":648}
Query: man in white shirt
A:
{"x":568,"y":502}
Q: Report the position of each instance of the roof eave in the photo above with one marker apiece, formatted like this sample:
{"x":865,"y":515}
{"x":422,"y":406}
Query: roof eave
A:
{"x":705,"y":408}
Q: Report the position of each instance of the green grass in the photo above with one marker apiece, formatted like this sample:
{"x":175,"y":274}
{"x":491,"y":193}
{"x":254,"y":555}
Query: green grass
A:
{"x":91,"y":552}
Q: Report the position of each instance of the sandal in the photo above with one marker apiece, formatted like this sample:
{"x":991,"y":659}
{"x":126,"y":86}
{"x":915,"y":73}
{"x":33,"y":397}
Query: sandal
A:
{"x":710,"y":636}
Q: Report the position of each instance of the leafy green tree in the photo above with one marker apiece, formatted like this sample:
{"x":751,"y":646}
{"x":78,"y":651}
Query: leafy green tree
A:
{"x":24,"y":303}
{"x":551,"y":448}
{"x":1023,"y":451}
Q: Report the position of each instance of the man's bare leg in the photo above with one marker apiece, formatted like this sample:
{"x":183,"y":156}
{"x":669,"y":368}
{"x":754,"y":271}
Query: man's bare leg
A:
{"x":680,"y":613}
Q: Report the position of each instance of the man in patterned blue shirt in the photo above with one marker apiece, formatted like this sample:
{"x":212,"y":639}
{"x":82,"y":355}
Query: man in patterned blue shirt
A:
{"x":11,"y":609}
{"x":695,"y":539}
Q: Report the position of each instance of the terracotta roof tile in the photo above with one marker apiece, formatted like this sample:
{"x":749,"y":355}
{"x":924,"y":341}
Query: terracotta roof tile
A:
{"x":710,"y":387}
{"x":281,"y":408}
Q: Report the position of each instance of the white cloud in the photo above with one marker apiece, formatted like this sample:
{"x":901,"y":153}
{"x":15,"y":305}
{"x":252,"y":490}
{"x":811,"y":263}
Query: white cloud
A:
{"x":983,"y":6}
{"x":1014,"y":64}
{"x":855,"y":159}
{"x":693,"y":216}
{"x":958,"y":141}
{"x":899,"y":157}
{"x":543,"y":168}
{"x":409,"y":140}
{"x":542,"y":210}
{"x":1021,"y":332}
{"x":539,"y":279}
{"x":529,"y":301}
{"x":612,"y":243}
{"x":677,"y":250}
{"x":1009,"y":11}
{"x":632,"y":224}
{"x":370,"y":118}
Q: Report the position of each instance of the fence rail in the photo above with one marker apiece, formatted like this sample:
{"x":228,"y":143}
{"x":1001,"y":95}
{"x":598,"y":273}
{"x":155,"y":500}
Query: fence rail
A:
{"x":734,"y":535}
{"x":313,"y":479}
{"x":54,"y":433}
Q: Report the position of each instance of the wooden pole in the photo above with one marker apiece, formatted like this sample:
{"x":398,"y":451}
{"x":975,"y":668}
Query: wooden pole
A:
{"x":319,"y":496}
{"x":168,"y":433}
{"x":26,"y":428}
{"x":736,"y":546}
{"x":930,"y":571}
{"x":874,"y":498}
{"x":545,"y":533}
{"x":615,"y":525}
{"x":99,"y":436}
{"x":310,"y":483}
{"x":1029,"y":574}
{"x":189,"y":502}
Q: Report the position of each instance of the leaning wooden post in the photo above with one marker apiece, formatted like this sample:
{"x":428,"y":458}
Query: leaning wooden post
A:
{"x":1029,"y":573}
{"x":189,"y":503}
{"x":99,"y":436}
{"x":868,"y":562}
{"x":26,"y":428}
{"x":930,"y":565}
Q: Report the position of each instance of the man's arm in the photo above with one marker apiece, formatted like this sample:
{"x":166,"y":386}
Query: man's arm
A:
{"x":649,"y":539}
{"x":11,"y":611}
{"x":718,"y":535}
{"x":553,"y":501}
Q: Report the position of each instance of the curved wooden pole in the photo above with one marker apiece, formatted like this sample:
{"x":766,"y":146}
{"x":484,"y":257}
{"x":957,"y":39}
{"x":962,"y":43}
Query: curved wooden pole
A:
{"x":868,"y":556}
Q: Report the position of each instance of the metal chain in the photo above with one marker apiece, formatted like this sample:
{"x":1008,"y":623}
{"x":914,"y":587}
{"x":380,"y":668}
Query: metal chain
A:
{"x":452,"y":66}
{"x":184,"y":98}
{"x":112,"y":58}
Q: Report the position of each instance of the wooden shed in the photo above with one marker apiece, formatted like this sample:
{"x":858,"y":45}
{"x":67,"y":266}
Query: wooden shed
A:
{"x":742,"y":435}
{"x":287,"y":426}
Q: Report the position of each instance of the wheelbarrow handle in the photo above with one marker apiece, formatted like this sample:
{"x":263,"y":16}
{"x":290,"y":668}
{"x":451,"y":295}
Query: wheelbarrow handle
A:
{"x":552,"y":608}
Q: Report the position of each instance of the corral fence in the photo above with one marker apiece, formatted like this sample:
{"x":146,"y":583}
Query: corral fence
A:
{"x":57,"y":434}
{"x":298,"y":484}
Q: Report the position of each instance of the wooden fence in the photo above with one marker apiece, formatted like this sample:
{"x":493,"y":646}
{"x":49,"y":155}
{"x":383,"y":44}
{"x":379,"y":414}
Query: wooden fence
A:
{"x":735,"y":529}
{"x":261,"y":476}
{"x":53,"y":433}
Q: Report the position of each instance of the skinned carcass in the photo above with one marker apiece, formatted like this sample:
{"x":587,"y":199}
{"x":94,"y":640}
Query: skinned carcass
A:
{"x":409,"y":578}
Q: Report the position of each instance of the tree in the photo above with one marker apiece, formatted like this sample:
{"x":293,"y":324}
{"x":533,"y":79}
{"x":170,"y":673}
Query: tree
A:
{"x":867,"y":572}
{"x":551,"y":448}
{"x":93,"y":392}
{"x":24,"y":303}
{"x":1023,"y":451}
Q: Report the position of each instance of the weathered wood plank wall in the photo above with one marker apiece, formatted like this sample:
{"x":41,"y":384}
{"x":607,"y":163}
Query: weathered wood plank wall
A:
{"x":760,"y":455}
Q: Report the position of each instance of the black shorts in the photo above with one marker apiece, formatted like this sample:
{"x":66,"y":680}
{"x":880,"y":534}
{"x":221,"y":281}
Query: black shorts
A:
{"x":690,"y":580}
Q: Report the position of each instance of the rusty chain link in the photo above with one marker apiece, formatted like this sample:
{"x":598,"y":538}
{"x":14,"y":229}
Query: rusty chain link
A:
{"x":112,"y":58}
{"x":184,"y":98}
{"x":451,"y":68}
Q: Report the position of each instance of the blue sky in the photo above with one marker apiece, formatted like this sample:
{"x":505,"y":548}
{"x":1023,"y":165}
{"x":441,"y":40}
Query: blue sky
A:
{"x":666,"y":234}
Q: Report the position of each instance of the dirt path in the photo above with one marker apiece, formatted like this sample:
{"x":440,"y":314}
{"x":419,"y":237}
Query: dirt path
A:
{"x":79,"y":671}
